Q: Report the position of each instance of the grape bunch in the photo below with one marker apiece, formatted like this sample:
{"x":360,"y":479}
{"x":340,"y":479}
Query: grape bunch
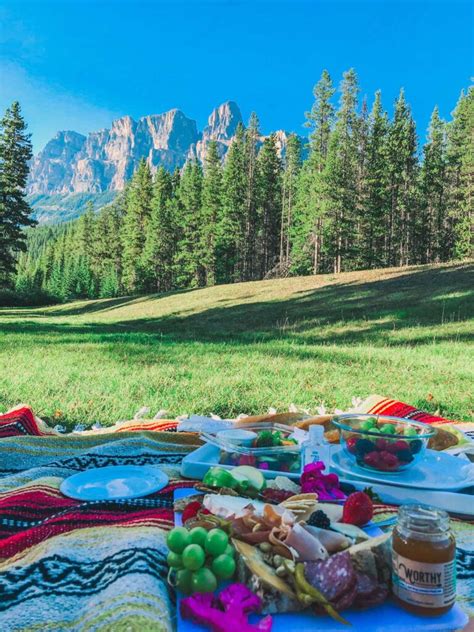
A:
{"x":200,"y":558}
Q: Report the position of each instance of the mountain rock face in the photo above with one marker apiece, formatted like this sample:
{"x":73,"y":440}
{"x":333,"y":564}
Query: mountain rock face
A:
{"x":103,"y":161}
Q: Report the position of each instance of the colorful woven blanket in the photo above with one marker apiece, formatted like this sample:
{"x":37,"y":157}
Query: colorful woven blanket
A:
{"x":68,"y":565}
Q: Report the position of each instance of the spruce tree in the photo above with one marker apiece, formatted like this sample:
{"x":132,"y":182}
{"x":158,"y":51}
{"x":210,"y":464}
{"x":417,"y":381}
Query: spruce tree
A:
{"x":135,"y":225}
{"x":189,"y":268}
{"x":211,"y":213}
{"x":432,"y":220}
{"x":402,"y":170}
{"x":15,"y":213}
{"x":292,"y":166}
{"x":460,"y":177}
{"x":373,"y":217}
{"x":230,"y":247}
{"x":249,"y":258}
{"x":340,"y":178}
{"x":268,"y":206}
{"x":308,"y":228}
{"x":160,"y":242}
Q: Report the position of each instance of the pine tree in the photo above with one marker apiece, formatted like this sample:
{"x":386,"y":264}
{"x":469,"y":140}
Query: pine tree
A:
{"x":268,"y":206}
{"x":375,"y":194}
{"x":309,"y":220}
{"x":135,"y":224}
{"x":292,"y":166}
{"x":230,"y":246}
{"x":340,"y":178}
{"x":160,"y":243}
{"x":211,"y":213}
{"x":249,"y":259}
{"x":402,"y":170}
{"x":432,"y":220}
{"x":460,"y":177}
{"x":15,"y":213}
{"x":189,"y":268}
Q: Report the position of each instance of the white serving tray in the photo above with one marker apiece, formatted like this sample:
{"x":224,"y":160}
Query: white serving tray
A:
{"x":196,"y":464}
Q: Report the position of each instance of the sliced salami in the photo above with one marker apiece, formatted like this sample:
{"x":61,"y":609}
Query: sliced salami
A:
{"x":334,"y":577}
{"x":366,"y":584}
{"x":347,"y":599}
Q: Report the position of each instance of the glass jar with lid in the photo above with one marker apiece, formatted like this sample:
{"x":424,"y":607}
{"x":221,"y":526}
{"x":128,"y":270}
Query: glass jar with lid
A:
{"x":424,"y":560}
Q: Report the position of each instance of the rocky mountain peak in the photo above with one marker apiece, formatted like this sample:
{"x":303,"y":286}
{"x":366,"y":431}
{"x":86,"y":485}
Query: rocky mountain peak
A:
{"x":104,"y":160}
{"x":223,"y":122}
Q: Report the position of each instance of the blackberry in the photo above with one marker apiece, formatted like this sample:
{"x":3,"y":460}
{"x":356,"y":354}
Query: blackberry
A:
{"x":319,"y":519}
{"x":415,"y":446}
{"x":363,"y":446}
{"x":405,"y":456}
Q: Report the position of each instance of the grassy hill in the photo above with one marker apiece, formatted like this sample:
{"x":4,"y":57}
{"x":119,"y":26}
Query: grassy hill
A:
{"x":403,"y":333}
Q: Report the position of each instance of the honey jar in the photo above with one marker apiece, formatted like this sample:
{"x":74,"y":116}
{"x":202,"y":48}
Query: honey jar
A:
{"x":424,"y":560}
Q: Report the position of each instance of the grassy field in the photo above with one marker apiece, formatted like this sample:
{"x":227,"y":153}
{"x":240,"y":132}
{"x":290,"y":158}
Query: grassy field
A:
{"x":404,"y":333}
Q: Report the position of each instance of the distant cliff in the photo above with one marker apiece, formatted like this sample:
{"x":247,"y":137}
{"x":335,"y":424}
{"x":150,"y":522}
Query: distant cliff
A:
{"x":103,"y":161}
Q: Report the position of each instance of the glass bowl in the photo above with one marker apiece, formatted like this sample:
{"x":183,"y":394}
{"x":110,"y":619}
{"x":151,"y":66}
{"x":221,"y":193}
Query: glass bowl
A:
{"x":380,"y":443}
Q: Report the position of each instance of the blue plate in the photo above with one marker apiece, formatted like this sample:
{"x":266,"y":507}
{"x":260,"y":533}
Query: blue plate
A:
{"x":115,"y":482}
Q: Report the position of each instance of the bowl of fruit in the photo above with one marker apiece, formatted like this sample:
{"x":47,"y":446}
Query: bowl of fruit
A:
{"x":384,"y":444}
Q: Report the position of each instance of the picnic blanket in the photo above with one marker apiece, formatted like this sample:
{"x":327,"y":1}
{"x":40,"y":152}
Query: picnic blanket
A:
{"x":70,"y":565}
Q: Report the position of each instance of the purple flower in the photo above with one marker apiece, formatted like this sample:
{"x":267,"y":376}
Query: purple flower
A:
{"x":325,"y":485}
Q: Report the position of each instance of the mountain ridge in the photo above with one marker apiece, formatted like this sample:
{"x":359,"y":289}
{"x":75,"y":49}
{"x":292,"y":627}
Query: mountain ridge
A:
{"x":105,"y":159}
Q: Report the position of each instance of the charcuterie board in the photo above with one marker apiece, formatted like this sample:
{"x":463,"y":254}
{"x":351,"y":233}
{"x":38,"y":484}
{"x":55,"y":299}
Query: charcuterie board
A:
{"x":387,"y":617}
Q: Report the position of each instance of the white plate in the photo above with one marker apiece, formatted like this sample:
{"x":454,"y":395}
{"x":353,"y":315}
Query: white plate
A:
{"x":114,"y":482}
{"x":435,"y":470}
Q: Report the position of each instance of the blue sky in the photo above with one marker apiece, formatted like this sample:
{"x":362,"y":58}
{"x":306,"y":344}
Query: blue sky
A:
{"x":77,"y":64}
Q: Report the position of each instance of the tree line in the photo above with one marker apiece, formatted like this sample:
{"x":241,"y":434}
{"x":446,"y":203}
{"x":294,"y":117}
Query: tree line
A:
{"x":361,"y":194}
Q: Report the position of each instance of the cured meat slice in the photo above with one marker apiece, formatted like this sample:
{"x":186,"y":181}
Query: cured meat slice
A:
{"x":347,"y":599}
{"x":334,"y":577}
{"x":366,"y":585}
{"x":378,"y":596}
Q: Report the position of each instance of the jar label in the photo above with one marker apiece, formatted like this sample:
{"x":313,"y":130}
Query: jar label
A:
{"x":423,"y":584}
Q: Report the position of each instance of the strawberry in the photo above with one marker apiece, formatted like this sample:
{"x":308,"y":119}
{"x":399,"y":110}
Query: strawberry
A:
{"x":191,"y":510}
{"x":358,"y":509}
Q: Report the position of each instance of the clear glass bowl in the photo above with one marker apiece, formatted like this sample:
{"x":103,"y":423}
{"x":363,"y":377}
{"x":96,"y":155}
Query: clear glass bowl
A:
{"x":274,"y":449}
{"x":380,"y":443}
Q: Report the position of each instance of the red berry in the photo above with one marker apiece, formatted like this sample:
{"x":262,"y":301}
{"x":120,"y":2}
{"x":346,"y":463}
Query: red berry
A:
{"x":372,"y":459}
{"x":351,"y":444}
{"x":389,"y":461}
{"x":382,"y":444}
{"x":191,"y":510}
{"x":398,"y":446}
{"x":358,"y":509}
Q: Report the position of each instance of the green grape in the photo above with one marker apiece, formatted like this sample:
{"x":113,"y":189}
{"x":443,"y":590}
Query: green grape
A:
{"x":184,"y":579}
{"x":204,"y":581}
{"x":178,"y":539}
{"x":216,"y":542}
{"x":229,"y":550}
{"x":410,"y":431}
{"x":174,"y":560}
{"x":198,"y":536}
{"x":223,"y":566}
{"x":368,"y":425}
{"x":388,"y":429}
{"x":193,"y":557}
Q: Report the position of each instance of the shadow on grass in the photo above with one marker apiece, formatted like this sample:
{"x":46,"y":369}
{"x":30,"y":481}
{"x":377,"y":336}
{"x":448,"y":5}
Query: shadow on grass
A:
{"x":420,"y":299}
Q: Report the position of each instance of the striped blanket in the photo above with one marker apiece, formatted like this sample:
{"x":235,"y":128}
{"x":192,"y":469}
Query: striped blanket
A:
{"x":69,"y":565}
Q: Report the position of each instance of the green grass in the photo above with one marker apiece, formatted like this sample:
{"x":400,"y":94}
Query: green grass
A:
{"x":403,"y":333}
